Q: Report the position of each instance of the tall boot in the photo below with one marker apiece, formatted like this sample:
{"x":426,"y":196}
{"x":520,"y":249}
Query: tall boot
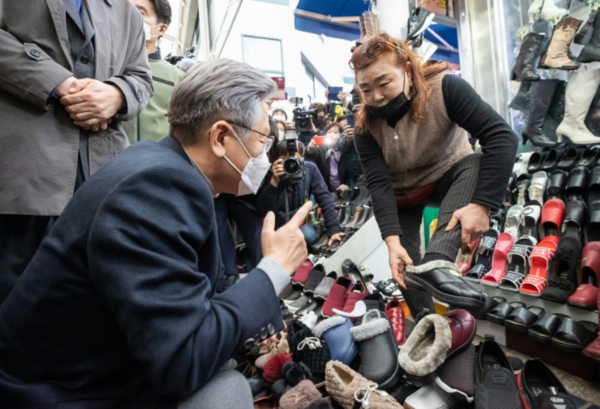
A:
{"x":593,"y":349}
{"x":591,"y":51}
{"x":541,"y":98}
{"x":530,"y":51}
{"x":581,"y":90}
{"x":582,"y":34}
{"x":546,"y":9}
{"x":558,"y":51}
{"x":522,"y":100}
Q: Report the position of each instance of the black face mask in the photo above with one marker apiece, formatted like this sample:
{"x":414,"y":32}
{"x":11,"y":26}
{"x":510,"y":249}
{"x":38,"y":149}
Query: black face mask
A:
{"x":397,"y":107}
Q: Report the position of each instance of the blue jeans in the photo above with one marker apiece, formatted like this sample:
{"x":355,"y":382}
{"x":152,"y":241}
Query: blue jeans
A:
{"x":310,"y":234}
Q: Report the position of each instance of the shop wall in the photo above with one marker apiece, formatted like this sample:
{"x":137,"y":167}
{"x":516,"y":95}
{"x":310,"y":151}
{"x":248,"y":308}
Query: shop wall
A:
{"x":272,"y":21}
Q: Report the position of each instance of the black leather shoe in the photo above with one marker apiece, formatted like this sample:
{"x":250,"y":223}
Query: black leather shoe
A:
{"x":540,"y":388}
{"x":443,"y":281}
{"x":553,"y":158}
{"x":589,"y":158}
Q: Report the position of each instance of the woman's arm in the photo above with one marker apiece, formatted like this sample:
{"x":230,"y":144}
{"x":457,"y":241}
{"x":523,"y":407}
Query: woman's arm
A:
{"x":267,"y":195}
{"x":498,"y":141}
{"x":380,"y":185}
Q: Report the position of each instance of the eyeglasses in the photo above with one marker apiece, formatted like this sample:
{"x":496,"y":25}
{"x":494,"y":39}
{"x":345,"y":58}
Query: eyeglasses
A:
{"x":376,"y":49}
{"x":270,"y":139}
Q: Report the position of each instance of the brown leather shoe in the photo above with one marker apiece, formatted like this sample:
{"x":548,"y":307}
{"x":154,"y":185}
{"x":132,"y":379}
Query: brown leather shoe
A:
{"x":593,"y":349}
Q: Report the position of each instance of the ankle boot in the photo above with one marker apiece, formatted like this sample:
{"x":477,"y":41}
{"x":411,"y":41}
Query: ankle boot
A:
{"x":593,"y":349}
{"x":581,"y":90}
{"x":591,"y":51}
{"x":546,"y":9}
{"x":530,"y":51}
{"x":558,"y":51}
{"x":522,"y":100}
{"x":541,"y":98}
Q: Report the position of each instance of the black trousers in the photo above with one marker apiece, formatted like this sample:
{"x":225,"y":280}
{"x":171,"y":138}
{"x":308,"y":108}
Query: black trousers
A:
{"x":20,"y":237}
{"x":452,"y":192}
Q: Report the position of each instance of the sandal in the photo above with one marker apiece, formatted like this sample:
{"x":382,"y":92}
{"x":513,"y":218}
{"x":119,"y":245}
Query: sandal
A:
{"x":529,"y":223}
{"x":586,"y":294}
{"x":514,"y":218}
{"x":574,"y":219}
{"x":518,"y":264}
{"x":536,"y":159}
{"x":499,"y":260}
{"x":573,"y":336}
{"x":545,"y":327}
{"x":571,"y":158}
{"x":562,"y":275}
{"x":537,"y":188}
{"x":467,"y":257}
{"x":552,"y":217}
{"x":483,"y":257}
{"x":593,"y":227}
{"x":577,"y":184}
{"x":556,"y":185}
{"x":521,"y":318}
{"x":589,"y":157}
{"x":521,"y":186}
{"x":539,"y":260}
{"x":499,"y":313}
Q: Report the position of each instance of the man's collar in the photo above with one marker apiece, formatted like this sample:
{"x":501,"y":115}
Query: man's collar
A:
{"x":155,"y":55}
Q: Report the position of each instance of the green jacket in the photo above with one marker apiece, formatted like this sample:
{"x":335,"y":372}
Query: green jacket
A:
{"x":152,"y":123}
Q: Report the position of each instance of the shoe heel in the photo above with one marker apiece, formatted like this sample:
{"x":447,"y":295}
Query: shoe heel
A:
{"x":560,"y":138}
{"x":525,"y":138}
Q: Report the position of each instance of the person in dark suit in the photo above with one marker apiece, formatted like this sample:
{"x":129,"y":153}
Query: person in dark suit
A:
{"x":70,"y":72}
{"x":121,"y":305}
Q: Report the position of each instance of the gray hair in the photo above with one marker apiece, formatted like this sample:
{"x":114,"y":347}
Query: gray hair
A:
{"x":216,"y":90}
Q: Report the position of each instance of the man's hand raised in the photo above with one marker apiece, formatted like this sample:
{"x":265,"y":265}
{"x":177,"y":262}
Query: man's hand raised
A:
{"x":286,"y":245}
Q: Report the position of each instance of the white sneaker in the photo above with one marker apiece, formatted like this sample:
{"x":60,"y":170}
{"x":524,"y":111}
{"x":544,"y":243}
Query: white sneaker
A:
{"x":430,"y":397}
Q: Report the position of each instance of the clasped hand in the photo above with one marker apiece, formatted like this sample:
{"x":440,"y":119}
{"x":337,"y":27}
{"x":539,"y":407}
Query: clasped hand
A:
{"x":91,"y":104}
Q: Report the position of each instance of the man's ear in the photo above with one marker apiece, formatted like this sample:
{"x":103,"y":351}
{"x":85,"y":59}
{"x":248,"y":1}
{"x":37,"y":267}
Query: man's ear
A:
{"x":216,"y":137}
{"x":162,"y":30}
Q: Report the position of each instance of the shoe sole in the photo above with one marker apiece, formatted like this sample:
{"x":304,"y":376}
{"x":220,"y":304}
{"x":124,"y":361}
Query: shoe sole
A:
{"x":459,"y":394}
{"x":424,"y":27}
{"x":419,"y":284}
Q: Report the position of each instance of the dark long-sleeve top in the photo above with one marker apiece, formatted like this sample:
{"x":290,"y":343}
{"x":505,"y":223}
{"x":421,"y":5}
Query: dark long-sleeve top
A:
{"x":271,"y":198}
{"x":466,"y":108}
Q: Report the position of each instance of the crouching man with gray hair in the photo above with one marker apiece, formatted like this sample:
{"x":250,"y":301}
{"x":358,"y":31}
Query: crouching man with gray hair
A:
{"x":120,"y":306}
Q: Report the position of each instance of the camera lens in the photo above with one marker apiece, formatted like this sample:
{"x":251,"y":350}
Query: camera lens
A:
{"x":291,"y":166}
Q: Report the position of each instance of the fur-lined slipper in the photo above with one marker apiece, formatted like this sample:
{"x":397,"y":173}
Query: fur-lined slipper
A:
{"x":335,"y":331}
{"x":352,"y":390}
{"x":300,"y":396}
{"x":425,"y":350}
{"x":378,"y":349}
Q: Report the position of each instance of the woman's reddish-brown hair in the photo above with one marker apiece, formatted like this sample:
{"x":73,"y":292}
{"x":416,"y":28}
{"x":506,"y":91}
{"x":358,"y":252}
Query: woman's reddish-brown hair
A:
{"x":420,"y":90}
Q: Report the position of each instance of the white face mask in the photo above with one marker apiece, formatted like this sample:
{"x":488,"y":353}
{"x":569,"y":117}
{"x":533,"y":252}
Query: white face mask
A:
{"x":147,"y":28}
{"x":255,"y":170}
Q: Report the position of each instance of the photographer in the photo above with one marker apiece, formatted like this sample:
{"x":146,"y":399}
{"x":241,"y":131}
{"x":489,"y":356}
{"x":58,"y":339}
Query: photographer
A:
{"x":320,"y":119}
{"x":305,"y":120}
{"x":284,"y":194}
{"x":337,"y":160}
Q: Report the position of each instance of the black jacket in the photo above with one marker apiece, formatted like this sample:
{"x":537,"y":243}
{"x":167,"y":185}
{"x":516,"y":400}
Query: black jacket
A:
{"x":119,"y":308}
{"x":270,"y":198}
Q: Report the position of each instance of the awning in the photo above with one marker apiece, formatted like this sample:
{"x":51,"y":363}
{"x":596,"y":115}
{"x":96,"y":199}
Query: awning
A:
{"x":339,"y":19}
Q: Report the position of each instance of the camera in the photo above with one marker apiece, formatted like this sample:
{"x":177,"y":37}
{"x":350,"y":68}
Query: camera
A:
{"x":292,"y":166}
{"x":302,"y":118}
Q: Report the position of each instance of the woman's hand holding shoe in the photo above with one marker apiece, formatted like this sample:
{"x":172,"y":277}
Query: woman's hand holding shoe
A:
{"x":399,"y":258}
{"x":286,"y":246}
{"x":278,"y":172}
{"x":474,"y":220}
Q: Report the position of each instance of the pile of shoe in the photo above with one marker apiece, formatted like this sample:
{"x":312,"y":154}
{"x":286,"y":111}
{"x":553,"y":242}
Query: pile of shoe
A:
{"x":555,"y":109}
{"x":353,"y":208}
